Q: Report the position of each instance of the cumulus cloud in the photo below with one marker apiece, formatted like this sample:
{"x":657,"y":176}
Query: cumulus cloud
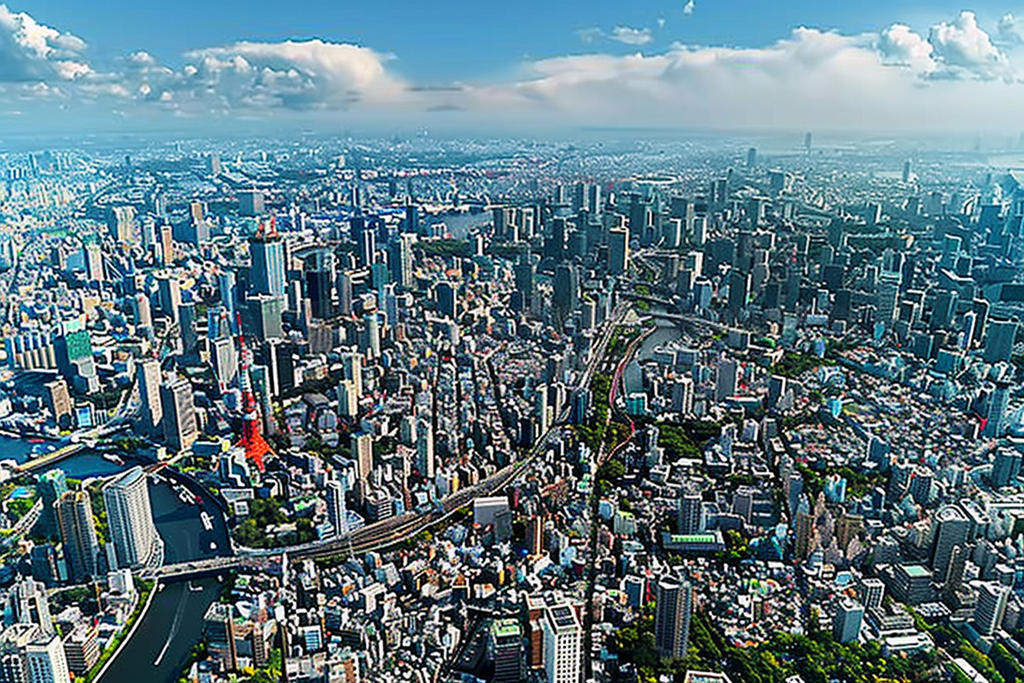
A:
{"x":311,"y":74}
{"x":900,"y":46}
{"x":589,"y":35}
{"x":689,"y":7}
{"x":964,"y":49}
{"x":632,"y":36}
{"x":31,"y":52}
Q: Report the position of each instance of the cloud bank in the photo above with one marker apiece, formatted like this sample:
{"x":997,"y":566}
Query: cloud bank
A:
{"x":956,"y":74}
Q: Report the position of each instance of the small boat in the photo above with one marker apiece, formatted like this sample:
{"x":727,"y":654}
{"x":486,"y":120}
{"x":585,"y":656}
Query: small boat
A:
{"x":114,"y":458}
{"x":35,"y":439}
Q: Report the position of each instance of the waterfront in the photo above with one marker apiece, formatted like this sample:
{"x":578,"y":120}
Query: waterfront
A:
{"x":160,"y":646}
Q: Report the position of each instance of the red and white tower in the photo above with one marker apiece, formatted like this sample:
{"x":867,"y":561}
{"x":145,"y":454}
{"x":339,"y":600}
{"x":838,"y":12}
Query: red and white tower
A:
{"x":256,"y":448}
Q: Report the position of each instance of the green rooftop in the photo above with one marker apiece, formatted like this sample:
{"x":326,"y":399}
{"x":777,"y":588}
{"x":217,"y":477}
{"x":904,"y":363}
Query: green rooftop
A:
{"x":505,"y":628}
{"x":916,"y":571}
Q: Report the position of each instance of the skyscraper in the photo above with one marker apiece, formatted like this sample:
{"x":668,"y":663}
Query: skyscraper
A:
{"x":267,"y":271}
{"x":28,"y":605}
{"x":952,"y":529}
{"x":336,"y":511}
{"x":618,"y":251}
{"x":180,"y":430}
{"x":999,"y":340}
{"x":135,"y":538}
{"x":990,"y":608}
{"x":45,"y":661}
{"x":505,"y":649}
{"x":673,"y":604}
{"x":78,"y":534}
{"x":51,"y":486}
{"x":690,"y":513}
{"x":846,"y":627}
{"x":562,"y":647}
{"x":148,"y":377}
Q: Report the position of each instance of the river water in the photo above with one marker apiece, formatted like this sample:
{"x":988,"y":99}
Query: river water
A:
{"x":160,"y":646}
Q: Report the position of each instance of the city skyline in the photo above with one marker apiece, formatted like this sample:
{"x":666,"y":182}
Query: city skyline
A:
{"x":897,"y":67}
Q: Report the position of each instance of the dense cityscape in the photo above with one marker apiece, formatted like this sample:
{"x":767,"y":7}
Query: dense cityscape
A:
{"x":431,"y":410}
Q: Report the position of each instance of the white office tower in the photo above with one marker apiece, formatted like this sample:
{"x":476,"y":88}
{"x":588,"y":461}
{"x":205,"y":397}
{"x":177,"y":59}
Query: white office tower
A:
{"x":673,"y":603}
{"x":28,"y":605}
{"x":45,"y":661}
{"x":988,"y":613}
{"x":136,"y":541}
{"x":562,"y":644}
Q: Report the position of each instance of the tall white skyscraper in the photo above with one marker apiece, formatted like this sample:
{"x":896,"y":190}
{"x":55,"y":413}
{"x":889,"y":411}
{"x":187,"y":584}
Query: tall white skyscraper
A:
{"x":562,"y":644}
{"x":136,"y":541}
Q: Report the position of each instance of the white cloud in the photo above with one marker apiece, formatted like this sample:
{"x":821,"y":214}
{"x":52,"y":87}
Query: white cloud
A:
{"x":689,"y":7}
{"x":811,"y":79}
{"x":293,"y":75}
{"x":900,"y":46}
{"x":589,"y":35}
{"x":33,"y":52}
{"x":632,"y":36}
{"x":964,"y":50}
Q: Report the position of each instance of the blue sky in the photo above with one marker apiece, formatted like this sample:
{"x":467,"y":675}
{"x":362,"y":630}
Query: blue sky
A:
{"x":743,"y":63}
{"x":462,"y":39}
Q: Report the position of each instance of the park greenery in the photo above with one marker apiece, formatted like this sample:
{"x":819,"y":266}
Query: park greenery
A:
{"x":266,"y":512}
{"x":815,"y":657}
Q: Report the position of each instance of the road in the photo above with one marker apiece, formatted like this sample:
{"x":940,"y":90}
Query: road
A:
{"x":390,"y":532}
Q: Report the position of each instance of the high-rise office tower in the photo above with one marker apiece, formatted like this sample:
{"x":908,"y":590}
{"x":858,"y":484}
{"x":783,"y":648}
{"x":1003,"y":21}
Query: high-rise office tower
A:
{"x":50,"y":487}
{"x":447,"y":300}
{"x":93,"y":262}
{"x":990,"y":608}
{"x":618,"y":251}
{"x":673,"y":605}
{"x":849,"y":616}
{"x":27,"y":604}
{"x":189,"y":333}
{"x":130,"y":517}
{"x":1005,"y":467}
{"x":362,"y":454}
{"x":149,"y":379}
{"x":995,"y":419}
{"x":319,"y":280}
{"x":566,"y":297}
{"x":179,"y":414}
{"x":727,"y":379}
{"x":690,"y":513}
{"x":45,"y":661}
{"x":871,"y":593}
{"x":999,"y":340}
{"x":562,"y":644}
{"x":425,"y":448}
{"x":169,"y":296}
{"x":505,"y":649}
{"x":267,"y":270}
{"x":952,"y":529}
{"x":752,"y":157}
{"x":121,"y":223}
{"x":806,"y":538}
{"x":58,"y":400}
{"x":78,"y":534}
{"x":336,"y":510}
{"x":348,"y":399}
{"x":372,"y":322}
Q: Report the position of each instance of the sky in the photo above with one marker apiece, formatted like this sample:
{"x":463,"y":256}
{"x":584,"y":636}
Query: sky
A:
{"x":871,"y":65}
